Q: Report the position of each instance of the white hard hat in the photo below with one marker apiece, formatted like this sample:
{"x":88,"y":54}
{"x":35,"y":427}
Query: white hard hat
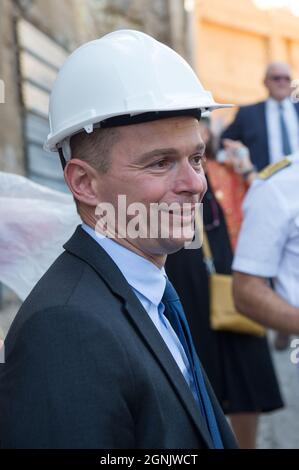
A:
{"x":124,"y":77}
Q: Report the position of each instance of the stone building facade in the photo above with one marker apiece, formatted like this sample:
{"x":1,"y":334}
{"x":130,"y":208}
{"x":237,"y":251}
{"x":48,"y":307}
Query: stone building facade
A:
{"x":234,"y":42}
{"x":34,"y":36}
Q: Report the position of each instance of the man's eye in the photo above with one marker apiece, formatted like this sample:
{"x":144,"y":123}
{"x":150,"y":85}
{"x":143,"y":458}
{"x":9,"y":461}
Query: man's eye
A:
{"x":161,"y":164}
{"x":197,"y":160}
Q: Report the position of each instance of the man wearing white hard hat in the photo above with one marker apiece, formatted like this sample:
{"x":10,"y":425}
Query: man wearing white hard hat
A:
{"x":100,"y":354}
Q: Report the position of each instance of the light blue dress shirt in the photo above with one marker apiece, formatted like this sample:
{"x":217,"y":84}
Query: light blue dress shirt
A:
{"x":148,"y":283}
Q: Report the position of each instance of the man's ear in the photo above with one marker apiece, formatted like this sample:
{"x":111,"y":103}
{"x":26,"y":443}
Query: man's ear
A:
{"x":81,"y":178}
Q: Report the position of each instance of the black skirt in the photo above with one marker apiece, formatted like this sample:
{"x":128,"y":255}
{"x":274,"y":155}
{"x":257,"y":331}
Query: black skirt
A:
{"x":239,"y":366}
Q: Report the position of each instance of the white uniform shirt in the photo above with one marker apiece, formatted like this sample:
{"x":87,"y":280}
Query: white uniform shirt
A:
{"x":274,"y":131}
{"x":268,"y":244}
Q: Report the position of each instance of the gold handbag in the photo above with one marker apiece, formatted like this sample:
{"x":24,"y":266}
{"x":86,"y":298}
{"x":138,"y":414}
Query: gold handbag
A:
{"x":223,"y":315}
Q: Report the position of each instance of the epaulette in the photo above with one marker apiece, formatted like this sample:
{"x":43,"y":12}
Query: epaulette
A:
{"x":270,"y":170}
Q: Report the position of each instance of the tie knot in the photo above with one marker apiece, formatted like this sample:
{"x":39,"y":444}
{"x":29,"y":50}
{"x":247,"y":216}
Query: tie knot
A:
{"x":280,"y":106}
{"x":170,"y":294}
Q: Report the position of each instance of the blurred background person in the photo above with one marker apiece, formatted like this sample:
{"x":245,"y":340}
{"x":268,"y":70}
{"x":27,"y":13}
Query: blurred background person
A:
{"x":270,"y":130}
{"x":268,"y":247}
{"x":230,"y":174}
{"x":239,"y":365}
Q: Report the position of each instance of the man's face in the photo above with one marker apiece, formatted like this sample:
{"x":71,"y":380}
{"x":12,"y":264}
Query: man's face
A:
{"x":278,"y":81}
{"x":157,"y":162}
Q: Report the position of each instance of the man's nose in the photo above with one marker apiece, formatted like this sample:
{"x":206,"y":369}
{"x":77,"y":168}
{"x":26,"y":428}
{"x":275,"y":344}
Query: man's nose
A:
{"x":191,"y":181}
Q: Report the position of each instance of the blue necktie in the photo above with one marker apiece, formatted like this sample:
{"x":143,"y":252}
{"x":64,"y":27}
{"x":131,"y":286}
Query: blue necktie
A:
{"x":175,"y":313}
{"x":286,"y":146}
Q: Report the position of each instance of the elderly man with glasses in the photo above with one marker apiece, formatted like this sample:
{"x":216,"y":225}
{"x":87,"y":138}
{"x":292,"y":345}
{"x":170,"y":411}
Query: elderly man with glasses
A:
{"x":270,"y":129}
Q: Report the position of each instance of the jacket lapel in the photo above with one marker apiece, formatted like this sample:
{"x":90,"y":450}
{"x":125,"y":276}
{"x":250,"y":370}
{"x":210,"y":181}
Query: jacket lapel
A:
{"x":264,"y":157}
{"x":227,"y":435}
{"x":159,"y":349}
{"x":296,"y":106}
{"x":85,"y":248}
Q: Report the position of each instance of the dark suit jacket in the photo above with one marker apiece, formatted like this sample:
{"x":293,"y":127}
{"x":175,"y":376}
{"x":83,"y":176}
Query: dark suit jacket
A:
{"x":250,"y":128}
{"x":86,"y":368}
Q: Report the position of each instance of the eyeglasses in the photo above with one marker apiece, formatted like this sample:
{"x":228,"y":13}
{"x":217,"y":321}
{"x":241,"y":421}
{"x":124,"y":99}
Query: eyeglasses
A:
{"x":278,"y":78}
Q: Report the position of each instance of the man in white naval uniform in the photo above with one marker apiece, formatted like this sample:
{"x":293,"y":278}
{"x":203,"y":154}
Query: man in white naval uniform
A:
{"x":268,"y":248}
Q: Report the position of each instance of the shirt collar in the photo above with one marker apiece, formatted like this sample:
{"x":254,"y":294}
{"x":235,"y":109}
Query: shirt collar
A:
{"x":274,"y":103}
{"x":141,"y":274}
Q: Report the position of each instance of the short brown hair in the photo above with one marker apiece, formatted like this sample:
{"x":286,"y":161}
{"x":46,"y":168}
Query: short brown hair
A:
{"x":95,"y":148}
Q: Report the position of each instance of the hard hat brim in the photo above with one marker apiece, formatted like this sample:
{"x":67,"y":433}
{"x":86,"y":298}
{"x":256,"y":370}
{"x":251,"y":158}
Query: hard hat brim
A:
{"x":53,"y":141}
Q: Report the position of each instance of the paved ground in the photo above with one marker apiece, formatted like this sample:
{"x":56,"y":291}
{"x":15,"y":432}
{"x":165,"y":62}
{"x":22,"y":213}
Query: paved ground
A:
{"x":278,"y":430}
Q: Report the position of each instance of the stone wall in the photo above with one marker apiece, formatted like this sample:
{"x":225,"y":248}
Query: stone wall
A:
{"x":11,"y":142}
{"x":71,"y":23}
